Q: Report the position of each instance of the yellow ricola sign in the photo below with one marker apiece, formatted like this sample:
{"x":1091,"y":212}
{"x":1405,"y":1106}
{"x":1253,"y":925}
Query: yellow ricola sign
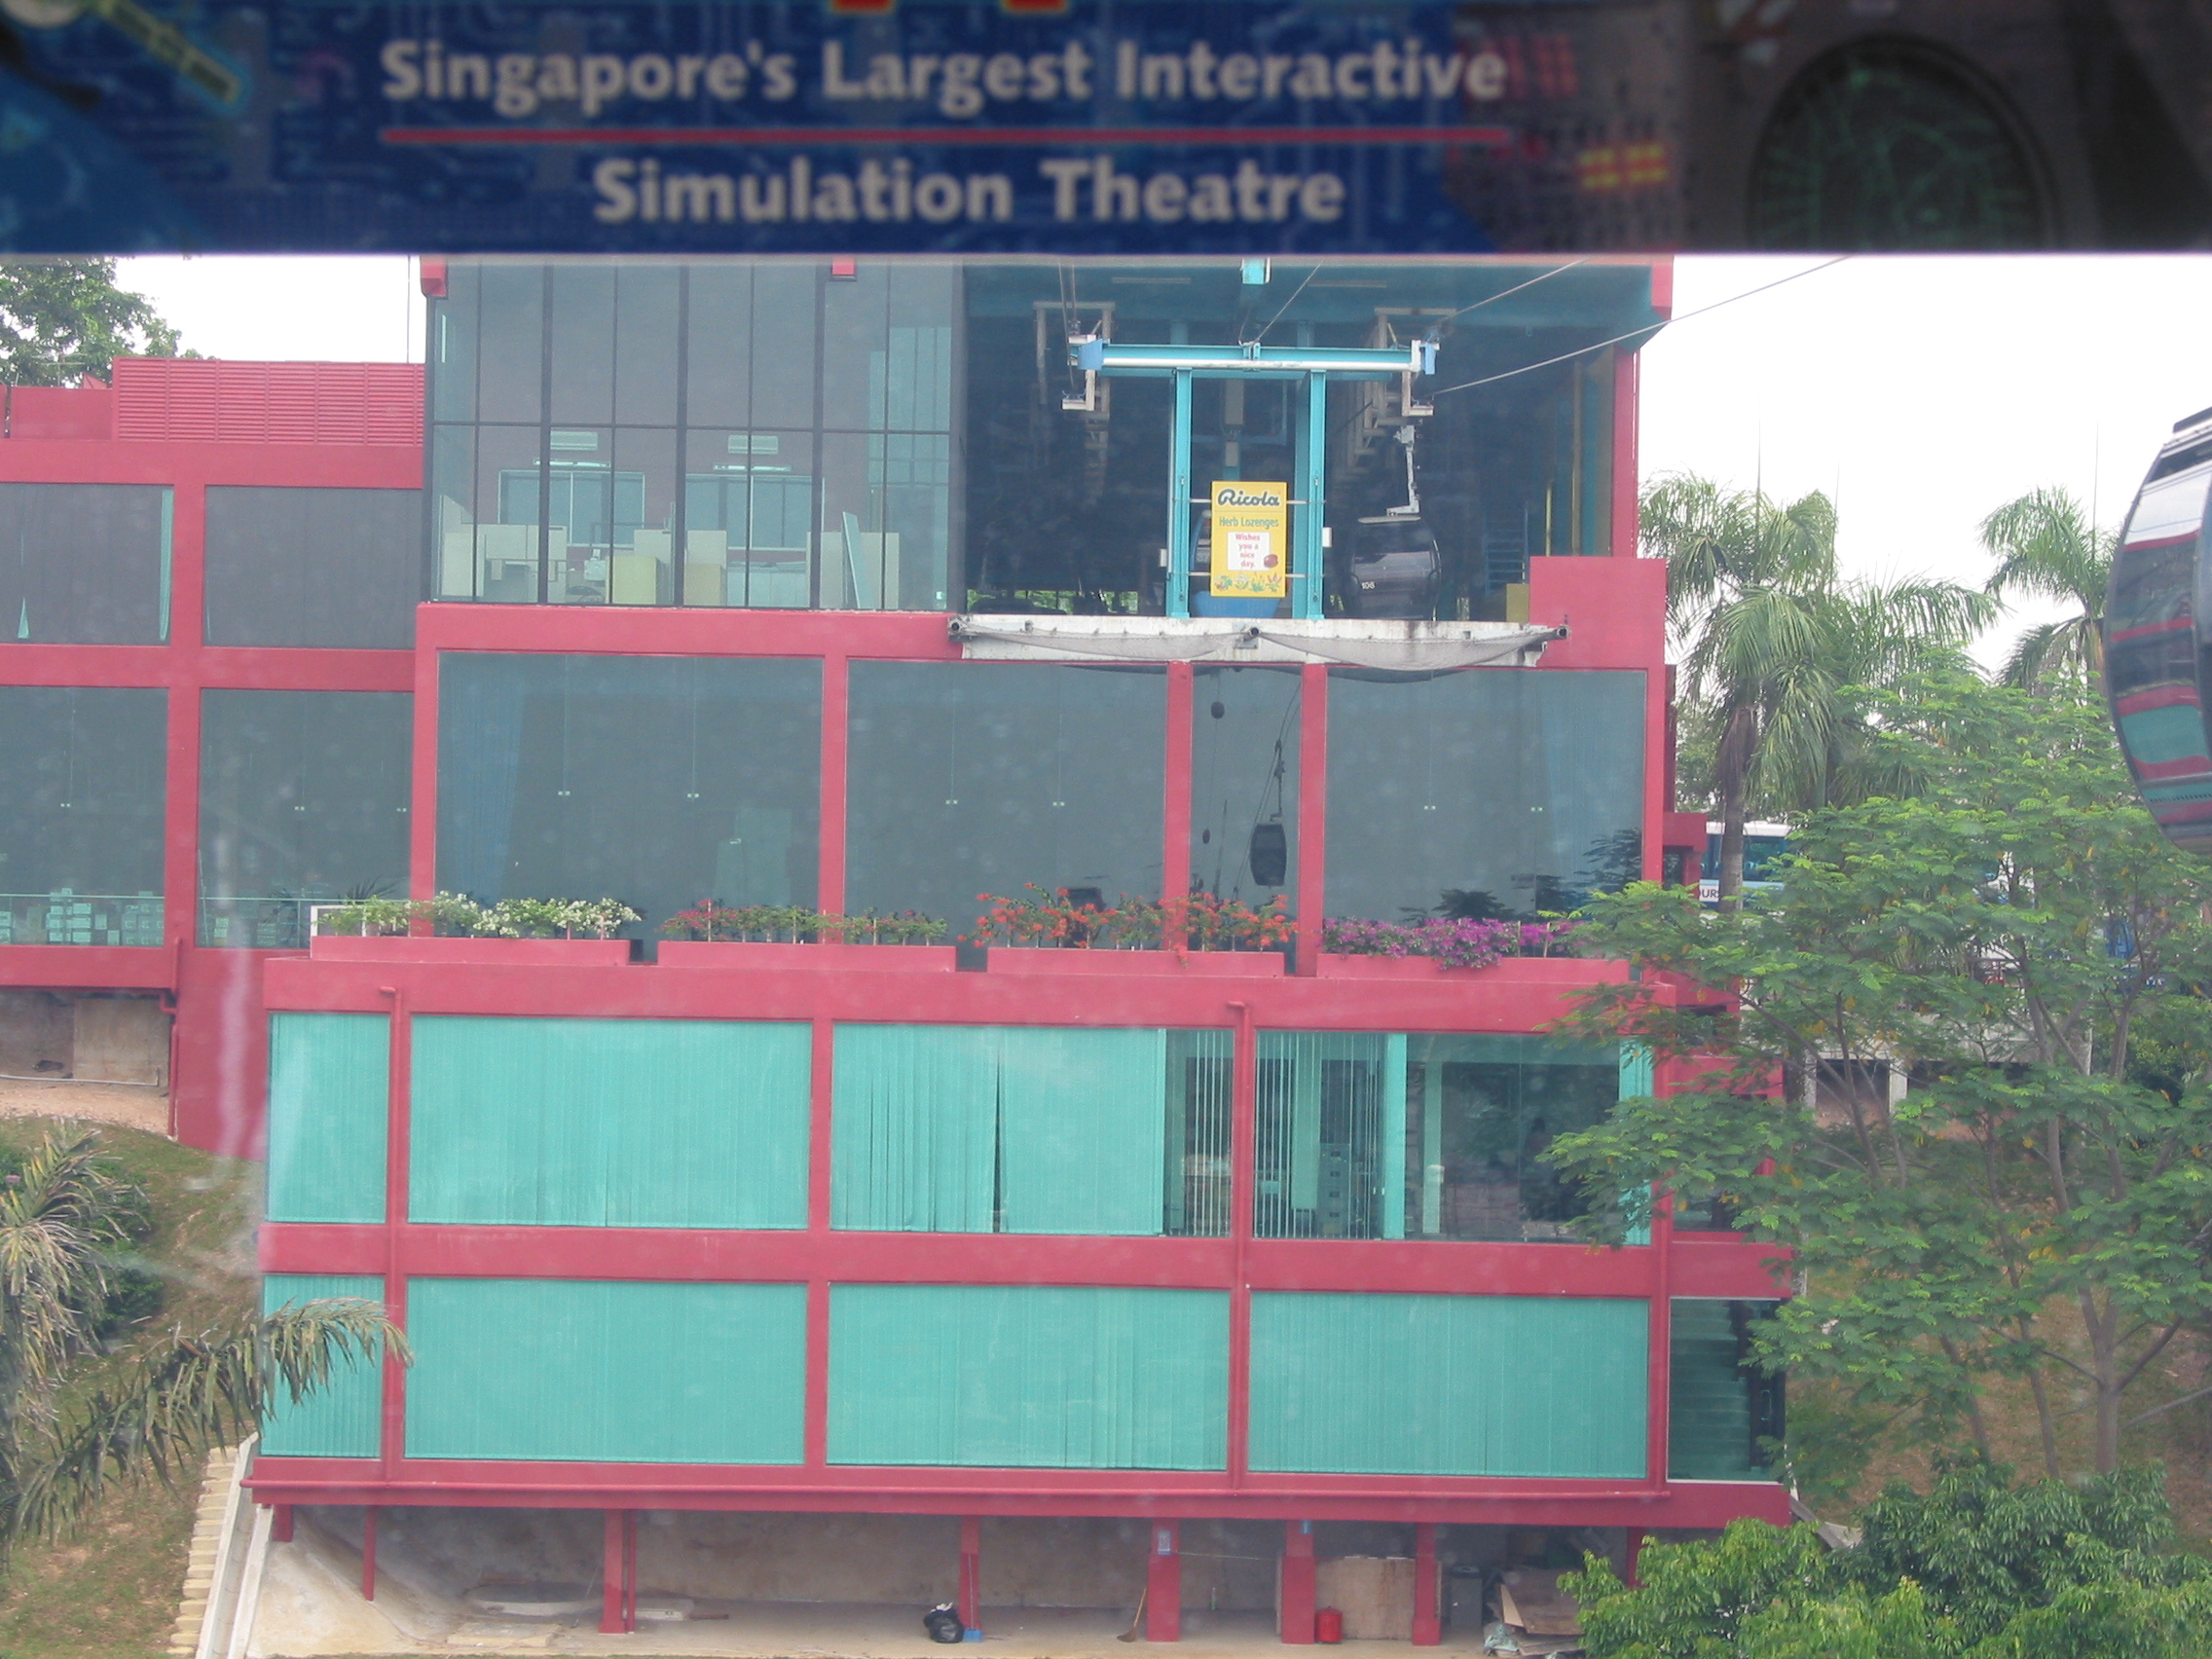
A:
{"x":1251,"y":536}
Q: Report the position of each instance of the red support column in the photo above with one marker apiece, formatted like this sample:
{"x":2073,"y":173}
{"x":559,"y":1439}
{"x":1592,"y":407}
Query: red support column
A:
{"x":1428,"y":1627}
{"x":1243,"y":1158}
{"x":1163,"y":1584}
{"x":614,"y":1595}
{"x":1295,"y":1618}
{"x":391,"y":1442}
{"x":970,"y":1604}
{"x":629,"y":1570}
{"x":1660,"y":1380}
{"x":1175,"y":827}
{"x":280,"y":1524}
{"x":369,"y":1553}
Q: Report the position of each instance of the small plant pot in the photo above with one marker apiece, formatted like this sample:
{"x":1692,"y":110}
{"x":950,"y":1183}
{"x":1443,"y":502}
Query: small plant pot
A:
{"x":1048,"y":960}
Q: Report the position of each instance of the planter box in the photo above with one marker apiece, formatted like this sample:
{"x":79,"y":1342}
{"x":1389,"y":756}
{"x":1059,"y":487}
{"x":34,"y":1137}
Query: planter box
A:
{"x":1053,"y":959}
{"x":1520,"y":970}
{"x":845,"y":958}
{"x":504,"y":953}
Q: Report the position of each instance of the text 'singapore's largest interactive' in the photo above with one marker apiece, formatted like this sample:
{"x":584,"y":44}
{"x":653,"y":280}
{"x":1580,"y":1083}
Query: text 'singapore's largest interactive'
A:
{"x":938,"y":124}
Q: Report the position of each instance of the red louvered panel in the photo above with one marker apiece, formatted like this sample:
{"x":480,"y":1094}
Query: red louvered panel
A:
{"x":268,"y":403}
{"x":395,"y":403}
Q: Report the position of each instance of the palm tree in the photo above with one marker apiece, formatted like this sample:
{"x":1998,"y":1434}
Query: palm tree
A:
{"x":2046,"y":545}
{"x":1772,"y":642}
{"x":63,"y":1217}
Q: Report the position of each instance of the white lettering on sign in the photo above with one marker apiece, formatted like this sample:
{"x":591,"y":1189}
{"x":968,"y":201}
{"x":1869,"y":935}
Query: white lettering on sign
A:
{"x":634,"y":192}
{"x":960,"y":85}
{"x":1095,"y":190}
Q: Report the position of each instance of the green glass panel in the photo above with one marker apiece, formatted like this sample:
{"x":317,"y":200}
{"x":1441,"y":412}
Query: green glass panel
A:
{"x":914,"y":1128}
{"x":610,"y":1123}
{"x":1636,"y":1081}
{"x":344,"y":1416}
{"x":595,"y":1371}
{"x":1449,"y":1384}
{"x":328,"y":1110}
{"x":1001,"y":1128}
{"x":1716,"y":1407}
{"x":1084,"y":1125}
{"x":1028,"y":1376}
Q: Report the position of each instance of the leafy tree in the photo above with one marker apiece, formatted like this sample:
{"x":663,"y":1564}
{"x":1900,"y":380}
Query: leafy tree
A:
{"x":67,"y":1428}
{"x":1774,"y":640}
{"x":2008,"y":935}
{"x":1975,"y":1569}
{"x":2046,"y":545}
{"x":62,"y":319}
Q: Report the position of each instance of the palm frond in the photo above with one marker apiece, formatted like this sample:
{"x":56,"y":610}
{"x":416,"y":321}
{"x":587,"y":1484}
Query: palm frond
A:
{"x":2048,"y":651}
{"x":2044,"y":545}
{"x":196,"y":1392}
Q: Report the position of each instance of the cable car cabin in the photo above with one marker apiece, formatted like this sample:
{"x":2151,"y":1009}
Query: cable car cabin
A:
{"x":2155,"y":647}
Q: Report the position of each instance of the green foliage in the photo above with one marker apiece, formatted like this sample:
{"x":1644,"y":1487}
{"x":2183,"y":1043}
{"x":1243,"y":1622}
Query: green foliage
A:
{"x":1834,"y":1436}
{"x":800,"y":924}
{"x":2007,"y":935}
{"x":62,"y":319}
{"x":1975,"y":1569}
{"x":2046,"y":545}
{"x":451,"y":916}
{"x":1773,"y":642}
{"x":67,"y":1217}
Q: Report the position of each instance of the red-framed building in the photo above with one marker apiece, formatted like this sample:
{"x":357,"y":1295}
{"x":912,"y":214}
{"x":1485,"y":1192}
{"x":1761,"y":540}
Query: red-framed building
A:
{"x":1250,"y":1240}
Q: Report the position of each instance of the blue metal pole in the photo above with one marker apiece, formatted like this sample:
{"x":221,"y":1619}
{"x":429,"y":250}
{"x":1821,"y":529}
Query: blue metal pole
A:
{"x":1310,"y":563}
{"x":1179,"y":500}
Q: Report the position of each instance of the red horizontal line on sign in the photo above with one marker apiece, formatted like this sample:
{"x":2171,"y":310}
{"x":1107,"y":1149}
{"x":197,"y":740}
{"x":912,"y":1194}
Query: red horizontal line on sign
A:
{"x":1480,"y":138}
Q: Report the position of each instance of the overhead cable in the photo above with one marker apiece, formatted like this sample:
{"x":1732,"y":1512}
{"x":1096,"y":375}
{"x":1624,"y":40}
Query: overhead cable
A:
{"x":1650,"y":328}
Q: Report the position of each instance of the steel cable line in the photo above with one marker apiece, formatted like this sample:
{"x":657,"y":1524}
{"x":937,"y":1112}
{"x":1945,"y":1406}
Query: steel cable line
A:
{"x":1650,"y":328}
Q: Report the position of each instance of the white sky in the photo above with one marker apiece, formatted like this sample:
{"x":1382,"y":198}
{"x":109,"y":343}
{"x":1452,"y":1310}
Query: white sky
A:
{"x":1921,"y":392}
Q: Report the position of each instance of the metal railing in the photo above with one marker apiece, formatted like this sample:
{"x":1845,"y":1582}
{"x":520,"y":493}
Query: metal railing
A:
{"x":67,"y":917}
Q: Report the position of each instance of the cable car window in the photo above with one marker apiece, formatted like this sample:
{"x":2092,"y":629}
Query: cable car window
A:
{"x":2150,"y":586}
{"x":2180,"y":460}
{"x":2167,"y":657}
{"x":2173,"y":507}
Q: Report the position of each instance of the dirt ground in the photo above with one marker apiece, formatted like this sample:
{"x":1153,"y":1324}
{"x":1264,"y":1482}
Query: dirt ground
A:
{"x":130,"y":1106}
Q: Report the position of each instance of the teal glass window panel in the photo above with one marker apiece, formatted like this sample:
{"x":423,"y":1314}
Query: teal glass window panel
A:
{"x":1536,"y":1387}
{"x":1082,"y":1126}
{"x":610,"y":1123}
{"x":329,"y":1108}
{"x":595,"y":1370}
{"x":1028,"y":1376}
{"x":1324,"y":1160}
{"x":1721,"y":1413}
{"x":1030,"y":1129}
{"x":344,"y":1416}
{"x":914,"y":1128}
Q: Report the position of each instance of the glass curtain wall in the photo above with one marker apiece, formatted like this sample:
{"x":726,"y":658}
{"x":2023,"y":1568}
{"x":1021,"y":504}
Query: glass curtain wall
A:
{"x":81,"y":821}
{"x":749,"y":433}
{"x":1505,"y":793}
{"x":302,"y":566}
{"x":661,"y":782}
{"x":303,"y":800}
{"x":84,"y":564}
{"x":1244,"y":726}
{"x":1368,"y":1135}
{"x":972,"y":779}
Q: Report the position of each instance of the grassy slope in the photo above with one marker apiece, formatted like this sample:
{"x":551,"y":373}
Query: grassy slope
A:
{"x":111,"y":1591}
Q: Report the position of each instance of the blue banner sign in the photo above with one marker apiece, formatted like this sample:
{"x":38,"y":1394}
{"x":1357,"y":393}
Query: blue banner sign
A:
{"x":1096,"y":126}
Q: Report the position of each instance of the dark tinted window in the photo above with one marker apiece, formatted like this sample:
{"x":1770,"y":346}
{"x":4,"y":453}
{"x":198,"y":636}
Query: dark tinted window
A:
{"x":81,"y":818}
{"x":84,"y":564}
{"x":1484,"y":792}
{"x":2150,"y":585}
{"x":1244,"y":783}
{"x":981,"y":778}
{"x":303,"y":799}
{"x":314,"y":566}
{"x":658,"y":781}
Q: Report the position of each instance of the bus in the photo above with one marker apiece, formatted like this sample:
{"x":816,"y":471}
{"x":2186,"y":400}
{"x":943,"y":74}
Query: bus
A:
{"x":1763,"y":843}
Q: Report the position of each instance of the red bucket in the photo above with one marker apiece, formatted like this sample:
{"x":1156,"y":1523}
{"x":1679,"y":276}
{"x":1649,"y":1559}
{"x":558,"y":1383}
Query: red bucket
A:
{"x":1328,"y":1625}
